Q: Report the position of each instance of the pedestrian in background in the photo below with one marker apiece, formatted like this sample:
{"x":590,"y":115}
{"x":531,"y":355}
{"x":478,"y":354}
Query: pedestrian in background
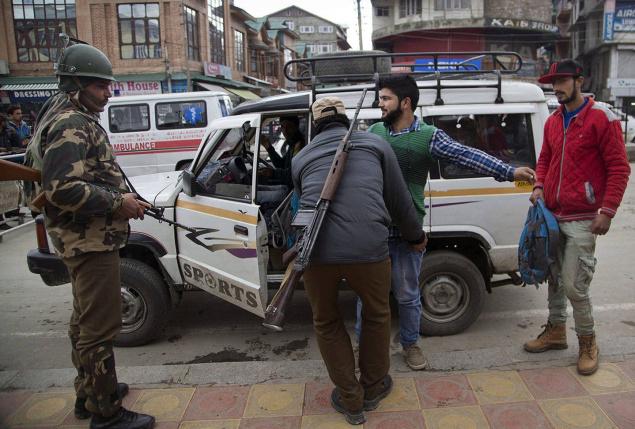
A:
{"x":22,"y":130}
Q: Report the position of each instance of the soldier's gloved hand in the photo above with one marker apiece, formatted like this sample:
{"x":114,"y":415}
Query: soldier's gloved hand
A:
{"x":132,"y":208}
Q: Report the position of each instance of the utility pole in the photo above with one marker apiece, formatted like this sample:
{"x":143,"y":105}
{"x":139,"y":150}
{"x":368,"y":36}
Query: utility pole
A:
{"x":168,"y":73}
{"x":359,"y":24}
{"x":186,"y":50}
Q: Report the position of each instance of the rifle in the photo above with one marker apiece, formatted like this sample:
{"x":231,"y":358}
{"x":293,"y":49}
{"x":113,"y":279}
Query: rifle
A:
{"x":275,"y":312}
{"x":12,"y":171}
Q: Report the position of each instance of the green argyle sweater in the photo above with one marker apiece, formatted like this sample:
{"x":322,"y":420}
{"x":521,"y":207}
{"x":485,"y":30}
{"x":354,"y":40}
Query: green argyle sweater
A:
{"x":413,"y":154}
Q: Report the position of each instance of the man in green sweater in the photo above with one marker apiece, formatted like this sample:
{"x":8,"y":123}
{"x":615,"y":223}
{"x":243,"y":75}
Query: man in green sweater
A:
{"x":417,"y":145}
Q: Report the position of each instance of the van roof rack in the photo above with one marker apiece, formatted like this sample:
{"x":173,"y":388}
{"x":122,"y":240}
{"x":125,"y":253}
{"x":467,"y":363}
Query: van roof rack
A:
{"x":327,"y":72}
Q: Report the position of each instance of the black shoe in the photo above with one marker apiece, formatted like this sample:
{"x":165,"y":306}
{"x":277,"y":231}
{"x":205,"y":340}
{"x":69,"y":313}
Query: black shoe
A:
{"x":353,"y":418}
{"x":82,"y":413}
{"x":123,"y":419}
{"x":372,"y":403}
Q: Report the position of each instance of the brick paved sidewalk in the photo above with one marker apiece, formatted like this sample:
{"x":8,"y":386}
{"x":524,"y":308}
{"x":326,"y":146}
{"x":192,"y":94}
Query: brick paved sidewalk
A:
{"x":553,"y":397}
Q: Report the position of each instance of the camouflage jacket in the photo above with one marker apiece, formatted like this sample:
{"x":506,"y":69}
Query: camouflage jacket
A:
{"x":82,"y":182}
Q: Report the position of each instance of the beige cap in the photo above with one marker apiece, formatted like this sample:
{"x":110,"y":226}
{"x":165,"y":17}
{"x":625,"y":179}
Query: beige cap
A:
{"x":327,"y":106}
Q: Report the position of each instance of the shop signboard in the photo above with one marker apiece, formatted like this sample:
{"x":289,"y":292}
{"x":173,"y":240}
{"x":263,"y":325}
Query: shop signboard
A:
{"x":135,"y":88}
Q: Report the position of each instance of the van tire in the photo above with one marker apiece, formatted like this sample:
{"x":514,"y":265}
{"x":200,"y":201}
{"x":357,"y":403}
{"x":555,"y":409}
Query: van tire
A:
{"x":452,"y":293}
{"x":145,"y":304}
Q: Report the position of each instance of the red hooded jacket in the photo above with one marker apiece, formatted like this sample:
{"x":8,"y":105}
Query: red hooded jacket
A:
{"x":584,"y":169}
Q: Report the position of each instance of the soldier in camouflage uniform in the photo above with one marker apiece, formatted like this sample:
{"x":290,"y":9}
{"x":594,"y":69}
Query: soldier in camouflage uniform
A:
{"x":87,"y":211}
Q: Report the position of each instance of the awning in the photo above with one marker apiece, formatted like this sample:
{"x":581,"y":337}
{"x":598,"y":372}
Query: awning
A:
{"x":223,"y":82}
{"x":210,"y":87}
{"x":29,"y":87}
{"x":243,"y":93}
{"x":264,"y":82}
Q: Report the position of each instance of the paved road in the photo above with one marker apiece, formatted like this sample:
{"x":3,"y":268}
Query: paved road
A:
{"x":204,"y":329}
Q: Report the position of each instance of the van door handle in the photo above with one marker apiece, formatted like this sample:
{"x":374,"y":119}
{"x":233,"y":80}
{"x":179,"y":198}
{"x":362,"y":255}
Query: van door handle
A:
{"x":242,"y":230}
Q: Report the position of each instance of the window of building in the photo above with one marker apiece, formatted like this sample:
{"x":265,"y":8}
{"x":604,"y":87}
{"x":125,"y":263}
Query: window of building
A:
{"x":216,"y":31}
{"x":508,"y":137}
{"x":191,"y":26}
{"x":139,"y":35}
{"x":451,"y":4}
{"x":307,"y":29}
{"x":133,"y":117}
{"x":181,"y":114}
{"x":290,"y":25}
{"x":325,"y":28}
{"x":382,"y":11}
{"x":37,"y":25}
{"x":239,"y":50}
{"x":253,"y":61}
{"x":271,"y":66}
{"x":409,"y":7}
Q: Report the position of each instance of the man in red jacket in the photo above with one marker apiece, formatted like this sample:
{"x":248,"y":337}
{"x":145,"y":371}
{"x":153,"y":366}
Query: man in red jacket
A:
{"x":582,"y":174}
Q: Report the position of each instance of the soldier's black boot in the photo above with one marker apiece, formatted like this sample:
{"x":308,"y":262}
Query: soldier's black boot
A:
{"x":82,"y":413}
{"x":123,"y":419}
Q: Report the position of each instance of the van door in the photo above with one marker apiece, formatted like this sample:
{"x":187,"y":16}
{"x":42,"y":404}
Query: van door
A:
{"x":463,"y":200}
{"x":225,"y":253}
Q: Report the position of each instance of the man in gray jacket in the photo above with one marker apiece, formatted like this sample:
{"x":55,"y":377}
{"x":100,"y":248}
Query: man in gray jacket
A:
{"x":353,"y":245}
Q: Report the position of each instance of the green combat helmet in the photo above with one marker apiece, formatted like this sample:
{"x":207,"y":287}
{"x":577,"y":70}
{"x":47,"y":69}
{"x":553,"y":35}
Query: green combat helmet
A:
{"x":79,"y":63}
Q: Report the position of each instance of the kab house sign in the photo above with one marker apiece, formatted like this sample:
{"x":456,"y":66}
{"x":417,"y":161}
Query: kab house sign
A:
{"x":135,"y":88}
{"x":523,"y":24}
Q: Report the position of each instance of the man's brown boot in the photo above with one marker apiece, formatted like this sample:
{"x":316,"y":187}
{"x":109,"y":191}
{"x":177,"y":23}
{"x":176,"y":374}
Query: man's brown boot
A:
{"x":552,"y":337}
{"x":588,"y":359}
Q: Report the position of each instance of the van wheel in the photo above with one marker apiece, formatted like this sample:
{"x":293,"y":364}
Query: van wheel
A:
{"x":145,"y":304}
{"x":452,"y":293}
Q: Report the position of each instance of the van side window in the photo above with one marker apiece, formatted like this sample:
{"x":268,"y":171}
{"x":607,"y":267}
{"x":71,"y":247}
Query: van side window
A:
{"x":227,"y":172}
{"x":181,"y":114}
{"x":223,"y":107}
{"x":132,"y":117}
{"x":508,"y":137}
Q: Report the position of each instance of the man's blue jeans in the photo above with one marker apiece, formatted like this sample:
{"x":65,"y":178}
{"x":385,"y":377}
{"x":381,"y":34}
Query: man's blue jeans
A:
{"x":406,"y":265}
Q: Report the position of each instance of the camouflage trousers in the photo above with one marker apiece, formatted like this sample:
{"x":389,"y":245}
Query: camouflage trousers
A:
{"x":95,"y":322}
{"x":577,"y":265}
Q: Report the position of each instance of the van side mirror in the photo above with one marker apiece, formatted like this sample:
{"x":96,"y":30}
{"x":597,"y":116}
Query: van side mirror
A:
{"x":246,"y":126}
{"x":189,"y":183}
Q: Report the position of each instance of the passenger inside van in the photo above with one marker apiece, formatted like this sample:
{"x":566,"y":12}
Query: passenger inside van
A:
{"x":294,"y":141}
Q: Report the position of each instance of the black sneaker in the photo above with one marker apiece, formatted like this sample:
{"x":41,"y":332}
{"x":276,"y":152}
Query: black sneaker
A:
{"x":123,"y":419}
{"x":353,"y":418}
{"x":372,"y":403}
{"x":82,"y":413}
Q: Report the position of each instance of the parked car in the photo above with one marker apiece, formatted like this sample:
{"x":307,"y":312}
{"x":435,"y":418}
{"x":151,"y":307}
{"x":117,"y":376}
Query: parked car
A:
{"x":238,"y":230}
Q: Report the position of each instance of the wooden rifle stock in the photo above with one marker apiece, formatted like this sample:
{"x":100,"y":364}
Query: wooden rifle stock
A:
{"x":14,"y":171}
{"x":275,"y":312}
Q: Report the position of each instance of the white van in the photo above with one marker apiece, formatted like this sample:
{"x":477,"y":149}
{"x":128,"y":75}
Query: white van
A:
{"x":236,"y":237}
{"x":160,"y":132}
